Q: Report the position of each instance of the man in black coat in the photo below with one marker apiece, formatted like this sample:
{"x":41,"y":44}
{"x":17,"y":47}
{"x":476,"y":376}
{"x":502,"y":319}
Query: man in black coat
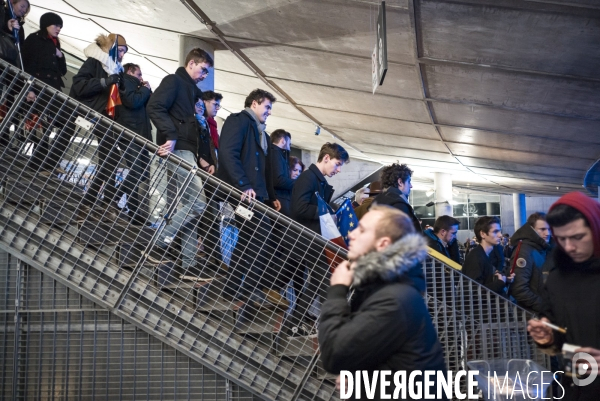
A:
{"x":396,"y":181}
{"x":305,"y":210}
{"x":387,"y":325}
{"x":443,"y":237}
{"x":244,"y":163}
{"x":528,"y":285}
{"x":281,"y":140}
{"x":305,"y":206}
{"x":172,"y":110}
{"x":135,"y":94}
{"x":478,"y":264}
{"x":571,"y":295}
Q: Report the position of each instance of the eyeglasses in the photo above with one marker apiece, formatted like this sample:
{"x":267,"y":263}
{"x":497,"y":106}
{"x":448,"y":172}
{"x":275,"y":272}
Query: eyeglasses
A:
{"x":217,"y":105}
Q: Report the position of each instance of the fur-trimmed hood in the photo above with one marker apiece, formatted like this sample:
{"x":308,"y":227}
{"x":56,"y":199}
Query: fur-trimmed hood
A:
{"x":398,"y":262}
{"x":99,"y":50}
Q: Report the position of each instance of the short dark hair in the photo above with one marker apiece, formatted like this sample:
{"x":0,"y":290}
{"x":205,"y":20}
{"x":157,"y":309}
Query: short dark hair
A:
{"x":335,"y":151}
{"x":531,"y":220}
{"x":484,"y":223}
{"x":394,"y":222}
{"x":278,"y":134}
{"x":259,"y":95}
{"x":391,"y":174}
{"x":293,"y":161}
{"x":444,"y":223}
{"x":199,"y":56}
{"x":561,"y":215}
{"x":207,"y":96}
{"x":130,"y":67}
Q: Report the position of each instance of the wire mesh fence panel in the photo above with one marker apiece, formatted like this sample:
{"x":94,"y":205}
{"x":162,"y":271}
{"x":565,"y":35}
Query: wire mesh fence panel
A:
{"x":182,"y":255}
{"x":69,"y":349}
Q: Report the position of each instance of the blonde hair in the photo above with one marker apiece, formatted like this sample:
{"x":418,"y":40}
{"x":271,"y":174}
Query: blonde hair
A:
{"x":393,"y":223}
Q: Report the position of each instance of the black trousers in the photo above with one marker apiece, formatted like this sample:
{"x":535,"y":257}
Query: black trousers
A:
{"x":251,"y":256}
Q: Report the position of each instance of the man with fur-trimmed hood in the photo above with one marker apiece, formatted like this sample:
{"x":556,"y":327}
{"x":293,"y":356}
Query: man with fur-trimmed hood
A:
{"x":91,"y":86}
{"x":386,"y":325}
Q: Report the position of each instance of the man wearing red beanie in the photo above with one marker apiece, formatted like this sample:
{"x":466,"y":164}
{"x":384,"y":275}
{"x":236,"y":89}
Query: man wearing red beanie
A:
{"x":572,"y":293}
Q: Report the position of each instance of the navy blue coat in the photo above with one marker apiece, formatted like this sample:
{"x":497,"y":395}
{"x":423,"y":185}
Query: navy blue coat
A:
{"x":242,"y":161}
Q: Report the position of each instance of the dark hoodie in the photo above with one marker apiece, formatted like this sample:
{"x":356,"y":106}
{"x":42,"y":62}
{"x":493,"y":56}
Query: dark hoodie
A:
{"x":451,"y":251}
{"x":572,"y":296}
{"x":528,"y":284}
{"x":387,"y":325}
{"x":171,"y":109}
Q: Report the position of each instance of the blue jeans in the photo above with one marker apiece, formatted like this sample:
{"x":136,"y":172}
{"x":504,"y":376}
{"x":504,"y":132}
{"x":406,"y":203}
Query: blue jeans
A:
{"x":193,"y":204}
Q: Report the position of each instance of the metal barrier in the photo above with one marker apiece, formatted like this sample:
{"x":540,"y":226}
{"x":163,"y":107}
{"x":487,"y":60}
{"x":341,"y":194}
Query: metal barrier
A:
{"x":211,"y":276}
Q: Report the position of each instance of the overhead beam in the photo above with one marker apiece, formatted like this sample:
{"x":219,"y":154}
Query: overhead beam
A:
{"x":212,"y":27}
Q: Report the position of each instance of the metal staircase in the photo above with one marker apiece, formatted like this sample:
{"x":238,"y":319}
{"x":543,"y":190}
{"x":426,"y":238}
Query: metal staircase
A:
{"x":47,"y":222}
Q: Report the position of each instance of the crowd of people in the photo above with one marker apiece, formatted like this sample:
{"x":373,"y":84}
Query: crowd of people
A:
{"x":386,"y":325}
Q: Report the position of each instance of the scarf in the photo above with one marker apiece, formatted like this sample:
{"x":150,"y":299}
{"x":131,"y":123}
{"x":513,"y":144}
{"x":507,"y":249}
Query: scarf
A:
{"x":261,"y":128}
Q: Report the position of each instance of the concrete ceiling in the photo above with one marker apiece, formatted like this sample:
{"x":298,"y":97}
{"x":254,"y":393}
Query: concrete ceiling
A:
{"x":504,"y":94}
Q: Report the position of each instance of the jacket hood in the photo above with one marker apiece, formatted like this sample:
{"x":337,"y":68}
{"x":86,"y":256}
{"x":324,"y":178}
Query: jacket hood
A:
{"x":527,"y":234}
{"x":590,"y":208}
{"x":431,"y":234}
{"x":96,"y":50}
{"x":104,"y":43}
{"x":401,"y":261}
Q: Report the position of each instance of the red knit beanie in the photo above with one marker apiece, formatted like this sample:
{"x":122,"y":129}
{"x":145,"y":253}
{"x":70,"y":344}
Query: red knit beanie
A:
{"x":587,"y":206}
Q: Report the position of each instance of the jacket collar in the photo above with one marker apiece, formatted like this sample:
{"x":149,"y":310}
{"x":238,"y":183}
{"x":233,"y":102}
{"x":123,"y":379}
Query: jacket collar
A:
{"x":528,"y":234}
{"x":183,"y":74}
{"x":95,"y":52}
{"x":431,"y":234}
{"x":396,"y":191}
{"x":253,"y":123}
{"x":317,"y":172}
{"x":400,"y":261}
{"x":279,"y":151}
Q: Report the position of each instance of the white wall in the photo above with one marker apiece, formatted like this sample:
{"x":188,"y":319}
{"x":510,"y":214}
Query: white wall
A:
{"x":533,"y":204}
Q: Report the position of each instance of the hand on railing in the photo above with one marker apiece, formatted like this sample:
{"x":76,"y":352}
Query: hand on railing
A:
{"x":276,"y":205}
{"x":166,"y":148}
{"x":248,"y":194}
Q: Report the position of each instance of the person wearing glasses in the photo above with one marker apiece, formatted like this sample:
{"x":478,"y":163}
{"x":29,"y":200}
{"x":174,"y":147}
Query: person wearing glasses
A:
{"x":172,"y":111}
{"x":212,"y":104}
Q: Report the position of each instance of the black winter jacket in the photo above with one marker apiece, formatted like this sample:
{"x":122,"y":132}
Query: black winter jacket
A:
{"x":87,"y":86}
{"x":572,"y":300}
{"x":282,"y":183}
{"x":387,"y":325}
{"x":305,"y":205}
{"x":132,"y":113}
{"x":242,"y":162}
{"x":13,"y":54}
{"x":451,"y":251}
{"x":529,"y":280}
{"x":171,"y":109}
{"x":40,"y":60}
{"x":206,"y":149}
{"x":479,"y":267}
{"x":393,"y":197}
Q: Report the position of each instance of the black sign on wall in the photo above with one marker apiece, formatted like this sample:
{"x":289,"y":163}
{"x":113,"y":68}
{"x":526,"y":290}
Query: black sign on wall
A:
{"x":379,"y":57}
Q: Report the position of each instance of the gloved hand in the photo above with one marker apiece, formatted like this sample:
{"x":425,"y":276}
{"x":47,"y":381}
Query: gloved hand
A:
{"x":112,"y":79}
